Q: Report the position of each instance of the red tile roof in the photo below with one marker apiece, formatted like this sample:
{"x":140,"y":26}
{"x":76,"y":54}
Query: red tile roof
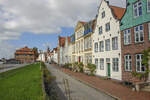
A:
{"x":24,"y":50}
{"x":118,"y":12}
{"x":62,"y":41}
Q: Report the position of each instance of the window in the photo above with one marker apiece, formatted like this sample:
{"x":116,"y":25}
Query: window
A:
{"x":115,"y":62}
{"x":96,"y":62}
{"x":103,"y":14}
{"x":148,"y":5}
{"x":139,"y":66}
{"x":101,"y":46}
{"x":90,"y":42}
{"x":128,"y":62}
{"x":139,"y":34}
{"x":100,"y":30}
{"x":107,"y":27}
{"x":96,"y":47}
{"x":90,"y":59}
{"x":137,"y":8}
{"x":101,"y":64}
{"x":81,"y":45}
{"x":127,"y":37}
{"x":115,"y":43}
{"x":149,"y":30}
{"x":107,"y":45}
{"x":86,"y":44}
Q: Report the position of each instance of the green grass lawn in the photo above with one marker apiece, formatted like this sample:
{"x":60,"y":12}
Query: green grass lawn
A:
{"x":22,"y":84}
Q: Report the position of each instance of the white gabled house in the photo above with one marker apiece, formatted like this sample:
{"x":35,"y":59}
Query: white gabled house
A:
{"x":107,"y":42}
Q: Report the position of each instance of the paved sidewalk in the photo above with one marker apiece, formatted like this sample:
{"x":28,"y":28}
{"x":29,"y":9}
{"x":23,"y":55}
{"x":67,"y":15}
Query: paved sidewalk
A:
{"x":79,"y":91}
{"x":108,"y":86}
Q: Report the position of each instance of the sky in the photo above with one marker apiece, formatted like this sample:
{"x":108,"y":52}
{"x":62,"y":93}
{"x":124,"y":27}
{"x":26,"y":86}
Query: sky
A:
{"x":38,"y":23}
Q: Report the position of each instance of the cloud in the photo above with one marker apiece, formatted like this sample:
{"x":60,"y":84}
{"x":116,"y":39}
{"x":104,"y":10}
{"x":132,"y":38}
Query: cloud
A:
{"x":44,"y":16}
{"x":6,"y":50}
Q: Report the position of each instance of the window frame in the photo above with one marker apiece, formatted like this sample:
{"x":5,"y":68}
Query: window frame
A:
{"x":115,"y":43}
{"x":101,"y":61}
{"x":96,"y":63}
{"x":101,"y":46}
{"x":129,"y":61}
{"x":96,"y":46}
{"x":139,"y":31}
{"x":139,"y":60}
{"x":115,"y":61}
{"x":137,"y":9}
{"x":103,"y":14}
{"x":148,"y":6}
{"x":100,"y":30}
{"x":127,"y":35}
{"x":107,"y":27}
{"x":107,"y":45}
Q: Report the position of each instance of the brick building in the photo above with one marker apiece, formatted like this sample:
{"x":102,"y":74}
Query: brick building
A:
{"x":25,"y":55}
{"x":135,"y":37}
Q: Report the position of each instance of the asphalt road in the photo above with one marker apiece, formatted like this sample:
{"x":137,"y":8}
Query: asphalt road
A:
{"x":78,"y":90}
{"x":7,"y":67}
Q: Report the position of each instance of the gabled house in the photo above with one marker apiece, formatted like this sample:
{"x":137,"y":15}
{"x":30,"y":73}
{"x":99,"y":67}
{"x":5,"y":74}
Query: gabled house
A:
{"x":135,"y":37}
{"x":62,"y":46}
{"x":107,"y":41}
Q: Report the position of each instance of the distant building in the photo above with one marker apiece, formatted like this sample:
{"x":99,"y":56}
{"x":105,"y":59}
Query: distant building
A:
{"x":25,"y":55}
{"x":61,"y":49}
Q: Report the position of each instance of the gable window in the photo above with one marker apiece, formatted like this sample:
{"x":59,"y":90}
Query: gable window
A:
{"x":148,"y":5}
{"x":128,"y":62}
{"x":103,"y":14}
{"x":107,"y":45}
{"x":139,"y":66}
{"x":139,"y":34}
{"x":100,"y":30}
{"x":115,"y":43}
{"x":101,"y":64}
{"x":115,"y":62}
{"x":101,"y":46}
{"x":96,"y":47}
{"x":127,"y":37}
{"x":107,"y":27}
{"x":96,"y":62}
{"x":137,"y":8}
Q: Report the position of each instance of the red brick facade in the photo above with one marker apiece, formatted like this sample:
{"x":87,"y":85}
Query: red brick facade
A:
{"x":133,"y":49}
{"x":25,"y":55}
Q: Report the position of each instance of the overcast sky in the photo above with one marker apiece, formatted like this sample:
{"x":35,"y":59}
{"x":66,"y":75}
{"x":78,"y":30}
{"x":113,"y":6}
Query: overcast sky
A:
{"x":42,"y":17}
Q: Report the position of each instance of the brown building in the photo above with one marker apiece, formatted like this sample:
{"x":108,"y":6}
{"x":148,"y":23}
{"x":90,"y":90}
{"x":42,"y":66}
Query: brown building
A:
{"x":25,"y":55}
{"x":135,"y":38}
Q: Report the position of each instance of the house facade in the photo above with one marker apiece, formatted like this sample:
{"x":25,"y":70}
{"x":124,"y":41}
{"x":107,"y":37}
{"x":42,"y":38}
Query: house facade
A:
{"x":25,"y":55}
{"x":79,"y":42}
{"x":67,"y":50}
{"x":107,"y":41}
{"x":135,"y":37}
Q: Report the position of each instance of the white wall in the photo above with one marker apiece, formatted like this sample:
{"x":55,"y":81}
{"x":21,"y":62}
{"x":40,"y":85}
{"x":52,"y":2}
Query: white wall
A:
{"x":114,"y":31}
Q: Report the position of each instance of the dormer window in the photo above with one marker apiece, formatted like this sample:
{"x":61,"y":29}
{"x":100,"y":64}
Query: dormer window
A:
{"x":103,"y":14}
{"x":137,"y":9}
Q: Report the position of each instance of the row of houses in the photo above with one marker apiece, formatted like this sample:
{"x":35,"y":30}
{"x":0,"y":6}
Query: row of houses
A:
{"x":114,"y":40}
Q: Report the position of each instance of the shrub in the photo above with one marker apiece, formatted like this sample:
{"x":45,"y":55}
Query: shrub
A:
{"x":80,"y":66}
{"x":92,"y":68}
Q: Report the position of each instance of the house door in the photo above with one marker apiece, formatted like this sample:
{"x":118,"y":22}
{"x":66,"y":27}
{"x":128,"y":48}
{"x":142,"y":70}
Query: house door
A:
{"x":108,"y":70}
{"x":79,"y":59}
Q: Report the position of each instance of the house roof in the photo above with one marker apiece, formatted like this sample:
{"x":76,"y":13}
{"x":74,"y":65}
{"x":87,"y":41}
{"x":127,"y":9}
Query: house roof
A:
{"x":82,"y":22}
{"x":62,"y":41}
{"x":24,"y":50}
{"x":117,"y":11}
